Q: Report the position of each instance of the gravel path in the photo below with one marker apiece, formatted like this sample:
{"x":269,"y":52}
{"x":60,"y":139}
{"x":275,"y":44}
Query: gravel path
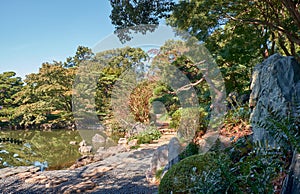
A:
{"x":121,"y":173}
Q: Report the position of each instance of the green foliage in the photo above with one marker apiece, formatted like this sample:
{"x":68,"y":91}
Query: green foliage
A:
{"x":176,"y":116}
{"x":284,"y":129}
{"x":190,"y":150}
{"x":243,"y":168}
{"x":237,"y":115}
{"x":182,"y":118}
{"x":161,"y":94}
{"x":238,"y":40}
{"x":240,"y":148}
{"x":159,"y":173}
{"x":166,"y":66}
{"x":9,"y":86}
{"x":208,"y":173}
{"x":82,"y":54}
{"x":147,"y":136}
{"x":134,"y":147}
{"x":256,"y":165}
{"x":113,"y":63}
{"x":46,"y":96}
{"x":239,"y":34}
{"x":126,"y":14}
{"x":49,"y":90}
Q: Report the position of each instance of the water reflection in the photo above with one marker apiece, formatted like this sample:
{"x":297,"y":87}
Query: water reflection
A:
{"x":53,"y":147}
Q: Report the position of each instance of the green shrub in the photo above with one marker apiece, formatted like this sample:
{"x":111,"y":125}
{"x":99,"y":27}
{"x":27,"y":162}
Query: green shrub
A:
{"x":256,"y":172}
{"x":134,"y":147}
{"x":255,"y":165}
{"x":185,"y":117}
{"x":147,"y":136}
{"x":206,"y":173}
{"x":241,"y":148}
{"x":243,"y":168}
{"x":190,"y":149}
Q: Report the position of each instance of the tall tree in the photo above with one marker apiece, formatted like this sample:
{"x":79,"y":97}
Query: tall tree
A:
{"x":277,"y":21}
{"x":45,"y":92}
{"x":9,"y":85}
{"x":115,"y":63}
{"x":82,"y":54}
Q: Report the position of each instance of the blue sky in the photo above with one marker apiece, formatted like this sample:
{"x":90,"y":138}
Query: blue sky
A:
{"x":36,"y":31}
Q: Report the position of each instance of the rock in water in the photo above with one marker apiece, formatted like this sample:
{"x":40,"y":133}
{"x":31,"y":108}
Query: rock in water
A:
{"x":98,"y":138}
{"x":98,"y":141}
{"x":275,"y":83}
{"x":41,"y":165}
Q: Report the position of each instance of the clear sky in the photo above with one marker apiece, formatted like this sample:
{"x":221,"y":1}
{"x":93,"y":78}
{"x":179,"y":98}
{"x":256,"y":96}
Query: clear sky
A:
{"x":37,"y":31}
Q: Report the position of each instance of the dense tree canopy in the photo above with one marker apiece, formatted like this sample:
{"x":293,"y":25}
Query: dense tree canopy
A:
{"x":46,"y":96}
{"x":47,"y":92}
{"x":141,"y":12}
{"x":115,"y":63}
{"x":239,"y":34}
{"x":277,"y":20}
{"x":9,"y":86}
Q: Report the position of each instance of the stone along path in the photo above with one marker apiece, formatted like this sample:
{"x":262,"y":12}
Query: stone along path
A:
{"x":120,"y":173}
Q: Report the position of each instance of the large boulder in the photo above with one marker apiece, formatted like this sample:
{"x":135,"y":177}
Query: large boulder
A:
{"x":275,"y":86}
{"x":174,"y":149}
{"x":158,"y":162}
{"x":164,"y":158}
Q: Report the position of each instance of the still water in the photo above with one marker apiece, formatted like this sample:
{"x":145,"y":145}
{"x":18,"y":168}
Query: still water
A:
{"x":51,"y":146}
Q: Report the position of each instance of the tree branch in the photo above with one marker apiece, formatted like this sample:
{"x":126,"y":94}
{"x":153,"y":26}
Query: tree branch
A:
{"x":292,"y":9}
{"x":291,"y":36}
{"x":187,"y":87}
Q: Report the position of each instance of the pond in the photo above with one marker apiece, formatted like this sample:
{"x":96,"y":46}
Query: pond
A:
{"x":51,"y":146}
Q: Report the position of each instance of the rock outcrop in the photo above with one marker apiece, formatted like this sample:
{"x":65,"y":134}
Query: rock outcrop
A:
{"x":276,"y":87}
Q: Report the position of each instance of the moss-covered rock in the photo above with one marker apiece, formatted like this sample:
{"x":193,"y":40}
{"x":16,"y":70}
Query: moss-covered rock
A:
{"x":205,"y":173}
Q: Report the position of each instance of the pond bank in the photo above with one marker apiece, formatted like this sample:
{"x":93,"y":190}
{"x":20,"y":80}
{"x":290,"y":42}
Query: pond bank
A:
{"x":39,"y":146}
{"x":119,"y":173}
